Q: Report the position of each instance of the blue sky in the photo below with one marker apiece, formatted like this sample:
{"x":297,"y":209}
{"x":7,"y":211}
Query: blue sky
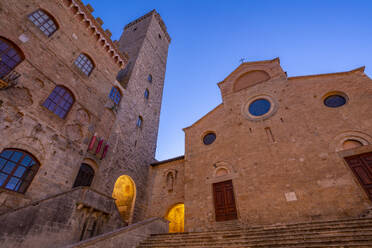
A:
{"x":209,"y":37}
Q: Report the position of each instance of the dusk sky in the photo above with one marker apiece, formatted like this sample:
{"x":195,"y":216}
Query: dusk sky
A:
{"x":209,"y":37}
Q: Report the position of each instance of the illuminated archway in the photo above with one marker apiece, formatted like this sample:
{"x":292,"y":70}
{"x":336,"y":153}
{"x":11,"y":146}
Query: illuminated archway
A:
{"x":176,"y":216}
{"x":125,"y":196}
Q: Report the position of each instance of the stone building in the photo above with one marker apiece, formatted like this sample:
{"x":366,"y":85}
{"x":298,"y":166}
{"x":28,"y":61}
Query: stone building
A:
{"x":277,"y":149}
{"x":79,"y":117}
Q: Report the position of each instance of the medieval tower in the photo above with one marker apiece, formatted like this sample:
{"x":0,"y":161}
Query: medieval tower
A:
{"x":146,"y":42}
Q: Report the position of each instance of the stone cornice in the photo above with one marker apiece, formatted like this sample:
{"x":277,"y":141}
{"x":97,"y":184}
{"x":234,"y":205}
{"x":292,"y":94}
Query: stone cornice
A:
{"x":157,"y":17}
{"x":359,"y":69}
{"x":103,"y":37}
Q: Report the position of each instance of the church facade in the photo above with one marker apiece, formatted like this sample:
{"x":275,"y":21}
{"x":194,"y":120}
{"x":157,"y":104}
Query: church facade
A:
{"x":277,"y":149}
{"x":79,"y":117}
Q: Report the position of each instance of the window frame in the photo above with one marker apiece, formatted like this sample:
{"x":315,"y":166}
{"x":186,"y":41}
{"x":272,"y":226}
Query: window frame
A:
{"x":59,"y":104}
{"x":25,"y":179}
{"x":146,"y":94}
{"x":82,"y":173}
{"x":80,"y":65}
{"x":139,"y":123}
{"x":41,"y":24}
{"x":11,"y":46}
{"x":114,"y":92}
{"x":149,"y":78}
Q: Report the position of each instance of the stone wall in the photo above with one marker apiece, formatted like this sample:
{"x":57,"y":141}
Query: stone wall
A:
{"x":60,"y":220}
{"x":285,"y":167}
{"x":126,"y":237}
{"x":166,"y":186}
{"x":59,"y":144}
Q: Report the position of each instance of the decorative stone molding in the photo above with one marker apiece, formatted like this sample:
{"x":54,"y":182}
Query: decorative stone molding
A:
{"x":94,"y":24}
{"x":271,"y":112}
{"x":337,"y":142}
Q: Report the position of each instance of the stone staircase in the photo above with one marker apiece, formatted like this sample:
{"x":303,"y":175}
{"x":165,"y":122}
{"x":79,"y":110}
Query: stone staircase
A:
{"x":337,"y":233}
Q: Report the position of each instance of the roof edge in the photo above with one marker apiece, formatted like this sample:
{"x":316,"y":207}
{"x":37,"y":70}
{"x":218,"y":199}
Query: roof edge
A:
{"x":359,"y":69}
{"x":276,"y":60}
{"x":168,"y":160}
{"x":204,"y":116}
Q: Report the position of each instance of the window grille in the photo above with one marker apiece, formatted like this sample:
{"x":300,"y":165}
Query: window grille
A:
{"x":43,"y":21}
{"x":59,"y":101}
{"x":17,"y":169}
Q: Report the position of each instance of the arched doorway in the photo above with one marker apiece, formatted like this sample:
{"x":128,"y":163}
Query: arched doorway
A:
{"x":125,"y":196}
{"x":176,"y":216}
{"x":85,"y":176}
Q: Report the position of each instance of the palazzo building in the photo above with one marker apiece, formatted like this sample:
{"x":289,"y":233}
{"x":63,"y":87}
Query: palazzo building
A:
{"x":79,"y":117}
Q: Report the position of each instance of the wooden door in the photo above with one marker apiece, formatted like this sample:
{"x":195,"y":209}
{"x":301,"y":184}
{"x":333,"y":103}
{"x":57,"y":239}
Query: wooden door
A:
{"x":224,"y":201}
{"x":361,"y":165}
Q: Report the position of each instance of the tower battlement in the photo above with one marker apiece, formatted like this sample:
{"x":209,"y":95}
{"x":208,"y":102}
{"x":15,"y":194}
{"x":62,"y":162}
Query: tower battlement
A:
{"x":157,"y":17}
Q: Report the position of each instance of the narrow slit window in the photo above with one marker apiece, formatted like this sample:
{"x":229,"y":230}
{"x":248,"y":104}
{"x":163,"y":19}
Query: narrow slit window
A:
{"x":147,"y":94}
{"x":139,"y":122}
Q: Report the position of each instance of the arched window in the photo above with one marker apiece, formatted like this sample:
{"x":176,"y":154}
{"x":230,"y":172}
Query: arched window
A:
{"x":139,"y":121}
{"x":17,"y":169}
{"x":44,"y":22}
{"x":10,"y":56}
{"x":85,"y":64}
{"x":149,"y":78}
{"x":85,"y":176}
{"x":59,"y":101}
{"x":147,"y":94}
{"x":115,"y":95}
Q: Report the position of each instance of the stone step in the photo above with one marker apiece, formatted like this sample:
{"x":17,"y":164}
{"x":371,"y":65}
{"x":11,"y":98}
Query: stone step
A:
{"x":334,"y":233}
{"x":265,"y":236}
{"x":280,"y":226}
{"x":340,"y":242}
{"x":266,"y":231}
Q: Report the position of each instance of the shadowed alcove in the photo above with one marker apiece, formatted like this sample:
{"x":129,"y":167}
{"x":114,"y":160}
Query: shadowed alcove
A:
{"x":176,"y":216}
{"x":125,"y":196}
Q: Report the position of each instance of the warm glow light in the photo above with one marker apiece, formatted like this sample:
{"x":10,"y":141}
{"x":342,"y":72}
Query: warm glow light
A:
{"x":176,"y":216}
{"x":124,"y":193}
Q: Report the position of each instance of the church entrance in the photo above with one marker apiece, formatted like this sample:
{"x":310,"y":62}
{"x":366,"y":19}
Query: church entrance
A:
{"x":224,"y":201}
{"x":361,"y":165}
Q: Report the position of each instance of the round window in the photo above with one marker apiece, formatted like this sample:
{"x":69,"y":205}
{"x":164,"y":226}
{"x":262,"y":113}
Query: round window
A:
{"x":335,"y":101}
{"x":209,"y":138}
{"x":259,"y":107}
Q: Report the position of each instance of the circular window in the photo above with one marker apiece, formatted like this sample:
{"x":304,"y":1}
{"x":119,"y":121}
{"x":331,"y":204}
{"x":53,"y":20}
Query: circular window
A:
{"x":209,"y":138}
{"x":259,"y":107}
{"x":335,"y":101}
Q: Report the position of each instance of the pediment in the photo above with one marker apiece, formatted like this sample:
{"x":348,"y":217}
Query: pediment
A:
{"x":250,"y":74}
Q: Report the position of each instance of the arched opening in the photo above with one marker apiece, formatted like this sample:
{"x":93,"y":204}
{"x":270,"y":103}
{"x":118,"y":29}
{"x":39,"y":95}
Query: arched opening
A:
{"x":221,"y":172}
{"x":44,"y":21}
{"x":170,"y":181}
{"x":10,"y":56}
{"x":125,"y":196}
{"x":17,"y":169}
{"x":176,"y":216}
{"x":60,"y":101}
{"x":85,"y":176}
{"x":250,"y":79}
{"x":351,"y":143}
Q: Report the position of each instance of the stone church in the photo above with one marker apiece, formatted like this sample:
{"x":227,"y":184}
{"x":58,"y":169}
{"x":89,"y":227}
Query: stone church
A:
{"x":79,"y":117}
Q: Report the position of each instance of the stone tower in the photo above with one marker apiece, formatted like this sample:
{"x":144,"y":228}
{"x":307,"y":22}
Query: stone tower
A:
{"x":146,"y":42}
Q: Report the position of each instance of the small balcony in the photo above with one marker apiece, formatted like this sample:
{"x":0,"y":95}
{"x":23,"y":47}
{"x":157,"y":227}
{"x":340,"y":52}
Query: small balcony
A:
{"x":9,"y":80}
